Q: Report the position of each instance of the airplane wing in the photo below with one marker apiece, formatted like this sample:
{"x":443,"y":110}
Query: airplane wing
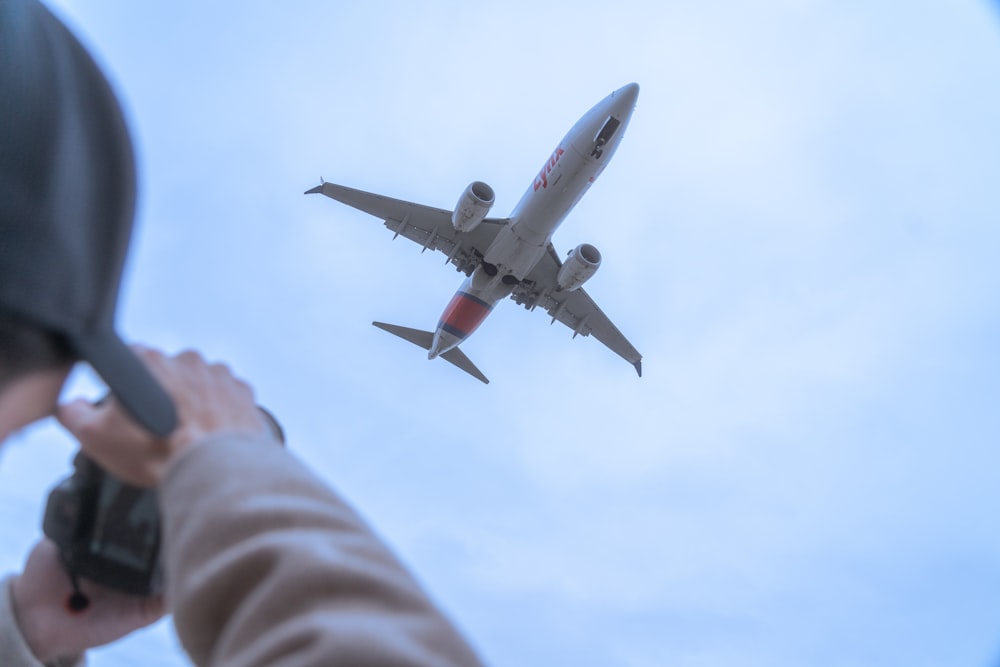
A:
{"x":425,"y":225}
{"x":574,"y":309}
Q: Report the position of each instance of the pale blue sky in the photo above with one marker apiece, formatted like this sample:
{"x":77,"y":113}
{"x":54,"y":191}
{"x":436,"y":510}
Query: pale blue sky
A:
{"x":799,"y":233}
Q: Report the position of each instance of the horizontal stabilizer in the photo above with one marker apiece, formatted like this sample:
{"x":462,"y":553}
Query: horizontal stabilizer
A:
{"x":456,"y":357}
{"x":424,"y":339}
{"x":416,"y":336}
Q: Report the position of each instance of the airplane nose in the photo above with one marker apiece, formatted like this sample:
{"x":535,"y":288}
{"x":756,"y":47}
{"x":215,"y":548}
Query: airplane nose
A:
{"x":628,"y":94}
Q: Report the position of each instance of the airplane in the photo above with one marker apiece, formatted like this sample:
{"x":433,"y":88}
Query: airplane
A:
{"x":513,"y":257}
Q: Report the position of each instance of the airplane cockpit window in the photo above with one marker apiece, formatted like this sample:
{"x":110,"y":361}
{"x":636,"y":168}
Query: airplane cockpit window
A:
{"x":604,"y":136}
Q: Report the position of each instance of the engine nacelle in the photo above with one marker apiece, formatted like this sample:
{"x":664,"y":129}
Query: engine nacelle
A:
{"x":579,"y":266}
{"x":472,"y":206}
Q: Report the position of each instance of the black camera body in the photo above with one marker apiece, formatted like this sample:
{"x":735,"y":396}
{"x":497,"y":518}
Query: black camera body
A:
{"x":107,"y":531}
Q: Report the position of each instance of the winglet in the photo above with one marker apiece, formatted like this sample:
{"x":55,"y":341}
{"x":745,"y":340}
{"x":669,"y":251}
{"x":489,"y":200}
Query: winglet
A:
{"x":638,"y":367}
{"x":317,"y":189}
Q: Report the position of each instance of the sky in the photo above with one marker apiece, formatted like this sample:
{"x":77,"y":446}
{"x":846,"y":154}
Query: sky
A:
{"x":799,"y":233}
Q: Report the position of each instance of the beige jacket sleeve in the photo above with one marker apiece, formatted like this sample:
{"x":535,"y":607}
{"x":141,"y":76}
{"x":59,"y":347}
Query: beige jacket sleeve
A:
{"x":265,"y":565}
{"x":14,"y":651}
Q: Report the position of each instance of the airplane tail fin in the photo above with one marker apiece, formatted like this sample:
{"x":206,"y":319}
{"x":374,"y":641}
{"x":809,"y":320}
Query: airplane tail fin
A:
{"x":424,"y":339}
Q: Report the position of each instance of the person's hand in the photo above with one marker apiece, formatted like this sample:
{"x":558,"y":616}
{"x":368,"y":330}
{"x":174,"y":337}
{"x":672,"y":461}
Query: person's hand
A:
{"x":41,"y":593}
{"x":208,"y":398}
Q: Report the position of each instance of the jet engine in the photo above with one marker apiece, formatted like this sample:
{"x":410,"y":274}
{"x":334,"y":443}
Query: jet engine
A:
{"x":580,"y":265}
{"x":472,"y":206}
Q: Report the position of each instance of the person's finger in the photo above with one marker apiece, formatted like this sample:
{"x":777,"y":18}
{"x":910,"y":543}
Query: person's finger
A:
{"x":111,"y":439}
{"x":77,"y":416}
{"x":191,"y":358}
{"x":143,"y":609}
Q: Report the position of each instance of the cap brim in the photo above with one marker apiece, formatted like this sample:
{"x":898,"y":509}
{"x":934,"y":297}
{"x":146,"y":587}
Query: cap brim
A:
{"x":133,"y":386}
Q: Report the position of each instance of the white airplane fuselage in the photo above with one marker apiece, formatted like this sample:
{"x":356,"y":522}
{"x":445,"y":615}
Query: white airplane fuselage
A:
{"x":566,"y":175}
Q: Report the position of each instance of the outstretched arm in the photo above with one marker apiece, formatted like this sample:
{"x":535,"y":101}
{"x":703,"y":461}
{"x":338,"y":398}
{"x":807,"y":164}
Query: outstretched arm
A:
{"x":268,"y":566}
{"x":265,"y":564}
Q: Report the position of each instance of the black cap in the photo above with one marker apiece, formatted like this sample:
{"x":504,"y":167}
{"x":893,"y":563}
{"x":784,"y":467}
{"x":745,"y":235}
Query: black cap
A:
{"x":67,"y":201}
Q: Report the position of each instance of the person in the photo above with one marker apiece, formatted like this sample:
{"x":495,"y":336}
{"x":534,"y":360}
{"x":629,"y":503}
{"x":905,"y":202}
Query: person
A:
{"x":264,"y":563}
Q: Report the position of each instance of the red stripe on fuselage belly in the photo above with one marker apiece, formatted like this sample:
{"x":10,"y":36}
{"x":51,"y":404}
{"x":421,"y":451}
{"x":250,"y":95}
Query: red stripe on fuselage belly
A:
{"x":464,"y":314}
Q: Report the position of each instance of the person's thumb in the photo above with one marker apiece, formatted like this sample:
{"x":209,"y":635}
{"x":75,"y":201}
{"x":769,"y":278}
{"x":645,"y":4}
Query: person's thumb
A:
{"x":76,"y":417}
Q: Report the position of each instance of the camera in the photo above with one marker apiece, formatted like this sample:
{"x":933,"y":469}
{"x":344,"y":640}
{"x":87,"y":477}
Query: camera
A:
{"x":108,"y":531}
